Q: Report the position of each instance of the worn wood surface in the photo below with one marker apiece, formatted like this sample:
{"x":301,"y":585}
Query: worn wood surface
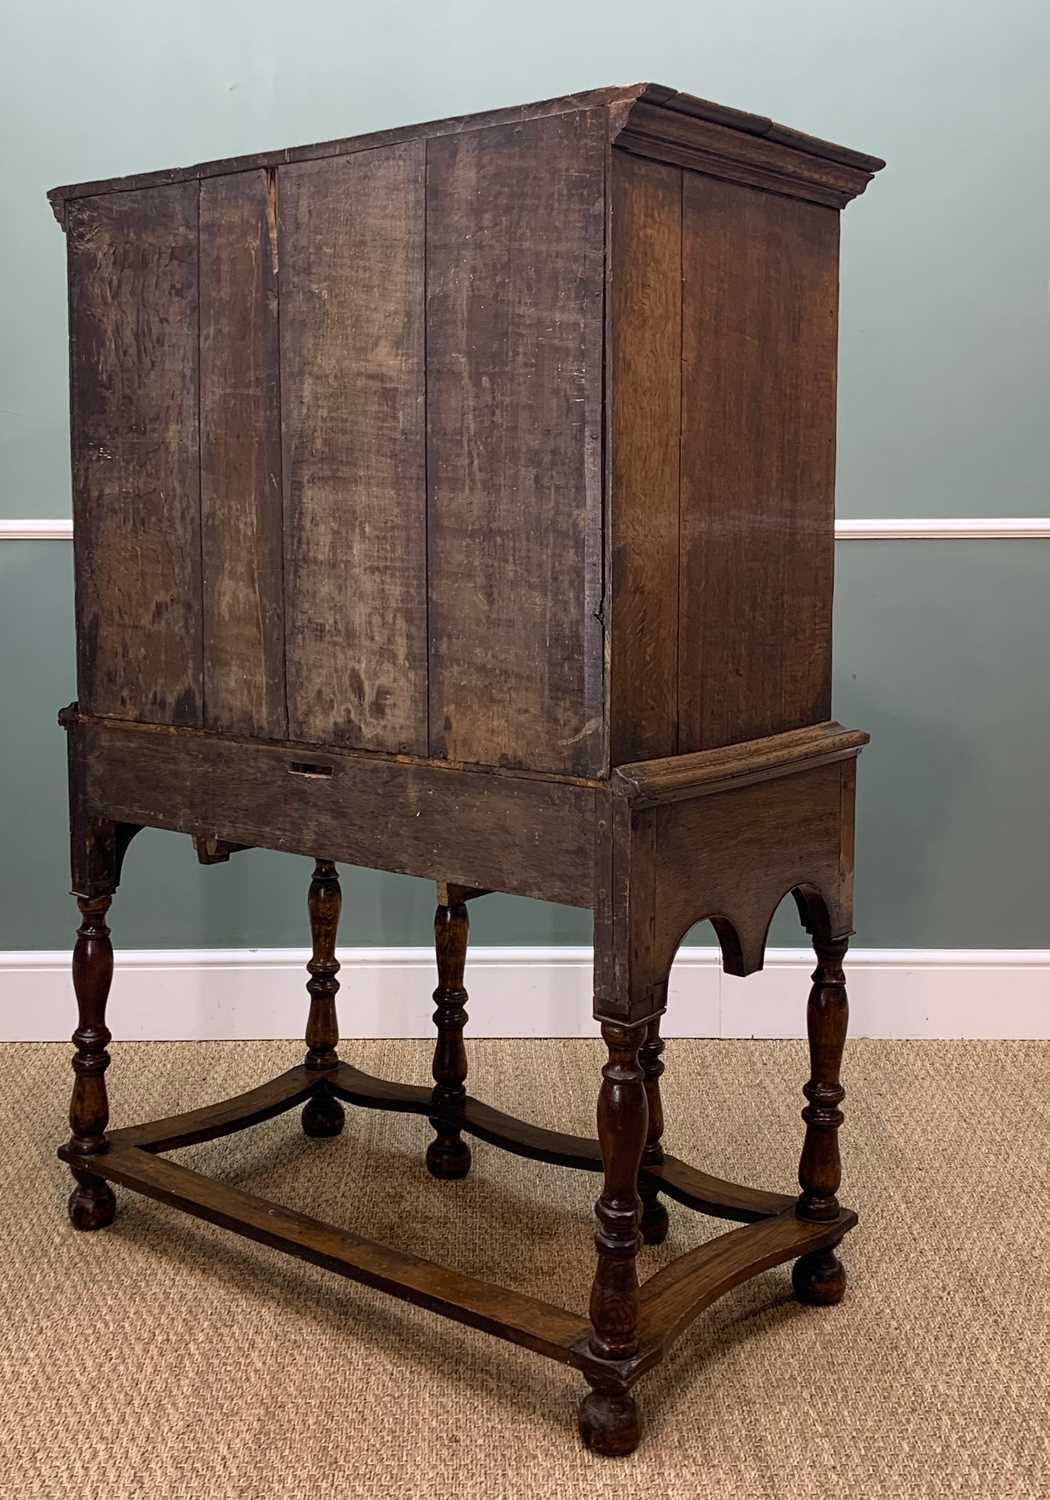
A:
{"x":729,"y":853}
{"x":720,"y":149}
{"x":514,"y":352}
{"x":212,"y":1121}
{"x":352,"y":383}
{"x":507,"y":833}
{"x":527,"y":477}
{"x":136,"y":481}
{"x":448,"y":1155}
{"x":323,"y":1115}
{"x":240,"y":416}
{"x":91,"y":1204}
{"x":678,"y":1293}
{"x":645,"y":400}
{"x":827,"y":1017}
{"x":541,"y":1326}
{"x":758,"y":463}
{"x":701,"y":773}
{"x":621,"y":101}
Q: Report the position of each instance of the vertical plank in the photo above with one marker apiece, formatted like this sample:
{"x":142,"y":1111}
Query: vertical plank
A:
{"x":758,"y":462}
{"x":644,"y":392}
{"x":243,"y":564}
{"x":515,"y":219}
{"x":136,"y":481}
{"x":351,"y":232}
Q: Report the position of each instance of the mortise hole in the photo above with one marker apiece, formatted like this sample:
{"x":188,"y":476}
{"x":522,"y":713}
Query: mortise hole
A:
{"x":309,"y":768}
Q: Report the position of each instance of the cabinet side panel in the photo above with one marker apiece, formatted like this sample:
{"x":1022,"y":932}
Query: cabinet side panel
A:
{"x":352,"y":392}
{"x":644,"y":391}
{"x":136,"y":480}
{"x":241,"y":458}
{"x":758,"y":462}
{"x":515,"y":268}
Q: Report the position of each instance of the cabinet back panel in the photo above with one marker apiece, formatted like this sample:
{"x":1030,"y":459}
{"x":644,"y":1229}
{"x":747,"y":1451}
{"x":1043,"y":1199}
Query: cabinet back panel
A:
{"x":352,"y":392}
{"x":514,"y":347}
{"x":136,"y":479}
{"x":240,"y":410}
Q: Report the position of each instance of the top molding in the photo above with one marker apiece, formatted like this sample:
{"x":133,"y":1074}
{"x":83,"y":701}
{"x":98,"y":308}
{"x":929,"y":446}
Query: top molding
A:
{"x":647,"y":119}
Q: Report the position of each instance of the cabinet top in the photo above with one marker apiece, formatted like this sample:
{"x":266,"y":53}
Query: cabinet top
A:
{"x":639,"y":114}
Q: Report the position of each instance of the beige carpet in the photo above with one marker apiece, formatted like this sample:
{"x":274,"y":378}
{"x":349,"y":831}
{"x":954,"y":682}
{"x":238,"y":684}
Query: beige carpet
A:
{"x":166,"y":1358}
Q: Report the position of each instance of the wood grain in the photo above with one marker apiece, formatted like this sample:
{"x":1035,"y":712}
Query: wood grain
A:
{"x":623,"y":102}
{"x":539,"y":1325}
{"x":136,"y":483}
{"x":241,"y":501}
{"x":504,"y":832}
{"x":351,"y":270}
{"x":678,"y":1293}
{"x":758,"y":463}
{"x":514,"y":338}
{"x":644,"y":392}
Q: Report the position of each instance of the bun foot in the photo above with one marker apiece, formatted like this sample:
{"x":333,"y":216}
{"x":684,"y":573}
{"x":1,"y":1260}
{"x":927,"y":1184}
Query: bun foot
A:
{"x":819,"y":1279}
{"x":448,"y":1158}
{"x":91,"y":1203}
{"x":610,"y":1423}
{"x":323,"y":1117}
{"x":654,"y":1222}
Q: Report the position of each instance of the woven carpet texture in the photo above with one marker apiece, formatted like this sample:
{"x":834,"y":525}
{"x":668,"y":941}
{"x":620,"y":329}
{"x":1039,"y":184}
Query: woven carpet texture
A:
{"x":167,"y":1358}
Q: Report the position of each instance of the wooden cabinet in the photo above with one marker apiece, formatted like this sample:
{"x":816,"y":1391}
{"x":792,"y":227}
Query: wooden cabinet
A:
{"x":458,"y":501}
{"x":507,"y":440}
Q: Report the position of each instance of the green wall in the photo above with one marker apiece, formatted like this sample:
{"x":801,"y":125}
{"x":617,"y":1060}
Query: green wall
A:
{"x":945,"y":378}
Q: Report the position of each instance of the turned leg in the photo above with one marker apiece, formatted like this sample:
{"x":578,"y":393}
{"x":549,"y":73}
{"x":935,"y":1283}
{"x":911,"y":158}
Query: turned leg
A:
{"x":448,"y":1155}
{"x":609,"y":1419}
{"x":654,"y":1222}
{"x":322,"y":1115}
{"x":91,"y":1203}
{"x":820,"y":1278}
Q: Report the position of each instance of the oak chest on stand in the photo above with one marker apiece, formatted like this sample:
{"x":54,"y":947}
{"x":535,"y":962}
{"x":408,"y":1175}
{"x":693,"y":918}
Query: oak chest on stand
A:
{"x":458,"y":501}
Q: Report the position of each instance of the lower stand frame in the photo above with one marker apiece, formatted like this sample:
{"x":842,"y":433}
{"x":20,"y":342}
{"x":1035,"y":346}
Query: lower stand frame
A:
{"x":771,"y":1231}
{"x":723,"y":834}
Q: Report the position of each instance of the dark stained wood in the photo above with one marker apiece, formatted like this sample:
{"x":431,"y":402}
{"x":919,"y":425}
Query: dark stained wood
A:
{"x":508,"y":833}
{"x":676,"y":1294}
{"x":323,"y":1114}
{"x":722,"y":150}
{"x":240,"y":413}
{"x":608,"y":1417}
{"x":622,"y":1115}
{"x":676,"y":1179}
{"x":758,"y":463}
{"x":713,"y":839}
{"x":91,"y":1204}
{"x":621,"y":101}
{"x":457,"y":501}
{"x":819,"y":1279}
{"x":653,"y":1225}
{"x":680,"y":777}
{"x":352,"y":386}
{"x":514,"y":356}
{"x":541,"y":1326}
{"x":448,"y":1155}
{"x":216,"y":1120}
{"x":827,"y":1016}
{"x":785,"y":833}
{"x":644,"y":392}
{"x":136,"y":480}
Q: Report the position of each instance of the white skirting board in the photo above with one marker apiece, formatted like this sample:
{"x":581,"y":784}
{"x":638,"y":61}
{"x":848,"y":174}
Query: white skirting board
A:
{"x":238,"y":994}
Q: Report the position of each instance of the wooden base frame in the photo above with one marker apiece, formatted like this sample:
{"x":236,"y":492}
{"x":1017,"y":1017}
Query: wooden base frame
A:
{"x":723,"y":834}
{"x":771,"y":1230}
